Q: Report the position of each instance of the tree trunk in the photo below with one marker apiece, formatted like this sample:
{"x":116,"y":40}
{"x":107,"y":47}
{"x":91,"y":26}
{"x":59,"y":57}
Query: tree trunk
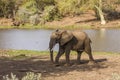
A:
{"x":100,"y":13}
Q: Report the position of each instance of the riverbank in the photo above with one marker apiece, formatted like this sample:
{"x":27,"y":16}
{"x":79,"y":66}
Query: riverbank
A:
{"x":19,"y":62}
{"x":84,"y":21}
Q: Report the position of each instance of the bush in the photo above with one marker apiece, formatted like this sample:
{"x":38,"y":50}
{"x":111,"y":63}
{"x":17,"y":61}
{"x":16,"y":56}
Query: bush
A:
{"x":32,"y":76}
{"x":41,"y":4}
{"x":44,"y":9}
{"x":73,"y":7}
{"x":12,"y":77}
{"x":51,"y":13}
{"x":6,"y":8}
{"x":29,"y":76}
{"x":28,"y":8}
{"x":115,"y":77}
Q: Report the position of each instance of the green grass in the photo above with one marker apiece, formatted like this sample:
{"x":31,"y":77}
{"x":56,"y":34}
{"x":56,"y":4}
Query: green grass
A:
{"x":70,"y":27}
{"x":21,"y":54}
{"x":52,"y":27}
{"x":25,"y":54}
{"x":34,"y":52}
{"x":37,"y":53}
{"x":6,"y":27}
{"x":78,"y":27}
{"x":49,"y":27}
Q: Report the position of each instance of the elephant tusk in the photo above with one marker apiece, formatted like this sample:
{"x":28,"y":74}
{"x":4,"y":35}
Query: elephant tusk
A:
{"x":51,"y":55}
{"x":51,"y":49}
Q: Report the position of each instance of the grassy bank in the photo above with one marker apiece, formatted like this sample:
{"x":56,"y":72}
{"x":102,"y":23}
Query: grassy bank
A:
{"x":49,"y":27}
{"x":68,"y":27}
{"x":22,"y":52}
{"x":31,"y":53}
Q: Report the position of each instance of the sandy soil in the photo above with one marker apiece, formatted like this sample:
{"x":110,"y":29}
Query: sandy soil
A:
{"x":106,"y":65}
{"x":88,"y":18}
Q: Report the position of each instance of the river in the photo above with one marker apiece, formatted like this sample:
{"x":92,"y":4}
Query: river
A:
{"x":107,"y":40}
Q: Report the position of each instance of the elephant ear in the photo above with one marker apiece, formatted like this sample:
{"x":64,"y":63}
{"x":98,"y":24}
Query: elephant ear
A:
{"x":65,"y":37}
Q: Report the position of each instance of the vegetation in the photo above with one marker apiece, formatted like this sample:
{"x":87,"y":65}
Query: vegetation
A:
{"x":41,"y":11}
{"x":23,"y":52}
{"x":28,"y":53}
{"x":115,"y":76}
{"x":33,"y":76}
{"x":29,"y":76}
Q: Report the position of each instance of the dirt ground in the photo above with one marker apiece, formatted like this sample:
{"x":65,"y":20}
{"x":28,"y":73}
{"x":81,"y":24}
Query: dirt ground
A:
{"x":104,"y":68}
{"x":86,"y":19}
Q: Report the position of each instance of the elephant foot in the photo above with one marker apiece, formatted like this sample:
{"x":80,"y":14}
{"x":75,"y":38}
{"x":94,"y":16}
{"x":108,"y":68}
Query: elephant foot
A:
{"x":56,"y":64}
{"x":67,"y":64}
{"x":51,"y":62}
{"x":77,"y":63}
{"x":91,"y":62}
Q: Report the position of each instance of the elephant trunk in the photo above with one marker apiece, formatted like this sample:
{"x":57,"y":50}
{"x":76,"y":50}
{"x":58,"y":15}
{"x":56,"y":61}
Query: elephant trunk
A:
{"x":51,"y":45}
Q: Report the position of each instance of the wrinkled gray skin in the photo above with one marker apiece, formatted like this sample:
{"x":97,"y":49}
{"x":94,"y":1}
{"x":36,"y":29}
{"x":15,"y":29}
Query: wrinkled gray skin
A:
{"x":70,"y":40}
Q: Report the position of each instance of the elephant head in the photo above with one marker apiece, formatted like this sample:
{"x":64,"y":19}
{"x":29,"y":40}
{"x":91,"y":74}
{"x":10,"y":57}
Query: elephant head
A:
{"x":61,"y":37}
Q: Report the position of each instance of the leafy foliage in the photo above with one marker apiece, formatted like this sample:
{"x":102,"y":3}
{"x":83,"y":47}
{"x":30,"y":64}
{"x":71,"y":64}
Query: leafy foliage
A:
{"x":12,"y":77}
{"x":6,"y":8}
{"x":53,"y":9}
{"x":68,"y":7}
{"x":29,"y":76}
{"x":50,"y":13}
{"x":115,"y":76}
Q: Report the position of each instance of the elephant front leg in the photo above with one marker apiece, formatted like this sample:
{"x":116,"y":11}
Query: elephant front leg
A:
{"x":60,"y":53}
{"x":51,"y":56}
{"x":67,"y":55}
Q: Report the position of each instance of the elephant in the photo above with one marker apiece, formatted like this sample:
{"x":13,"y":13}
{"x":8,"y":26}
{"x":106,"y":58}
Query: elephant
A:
{"x":70,"y":40}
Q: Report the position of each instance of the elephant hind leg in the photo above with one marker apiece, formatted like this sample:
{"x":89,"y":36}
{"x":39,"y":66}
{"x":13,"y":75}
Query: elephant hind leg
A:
{"x":88,"y":51}
{"x":79,"y":56}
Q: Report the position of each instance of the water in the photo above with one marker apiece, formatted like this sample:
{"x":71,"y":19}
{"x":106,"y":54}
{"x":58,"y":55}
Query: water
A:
{"x":102,"y":40}
{"x":105,"y":40}
{"x":24,"y":39}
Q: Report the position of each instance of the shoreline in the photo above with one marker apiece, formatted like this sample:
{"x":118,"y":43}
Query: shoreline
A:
{"x":70,"y":27}
{"x":23,"y":61}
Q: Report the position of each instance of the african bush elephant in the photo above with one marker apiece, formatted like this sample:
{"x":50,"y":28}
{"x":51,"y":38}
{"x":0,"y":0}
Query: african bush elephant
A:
{"x":70,"y":40}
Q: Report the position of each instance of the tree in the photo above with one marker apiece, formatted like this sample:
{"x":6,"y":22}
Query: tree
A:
{"x":100,"y":13}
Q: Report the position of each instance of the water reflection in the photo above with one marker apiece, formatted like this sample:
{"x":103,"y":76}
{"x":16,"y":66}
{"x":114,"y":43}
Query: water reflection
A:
{"x":105,"y":40}
{"x":102,"y":40}
{"x":102,"y":32}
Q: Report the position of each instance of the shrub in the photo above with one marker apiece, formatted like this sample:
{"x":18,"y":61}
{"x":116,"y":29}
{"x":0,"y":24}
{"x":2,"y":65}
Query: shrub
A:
{"x":6,"y":8}
{"x":50,"y":13}
{"x":29,"y":76}
{"x":115,"y":76}
{"x":73,"y":7}
{"x":41,"y":4}
{"x":12,"y":77}
{"x":44,"y":9}
{"x":32,"y":76}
